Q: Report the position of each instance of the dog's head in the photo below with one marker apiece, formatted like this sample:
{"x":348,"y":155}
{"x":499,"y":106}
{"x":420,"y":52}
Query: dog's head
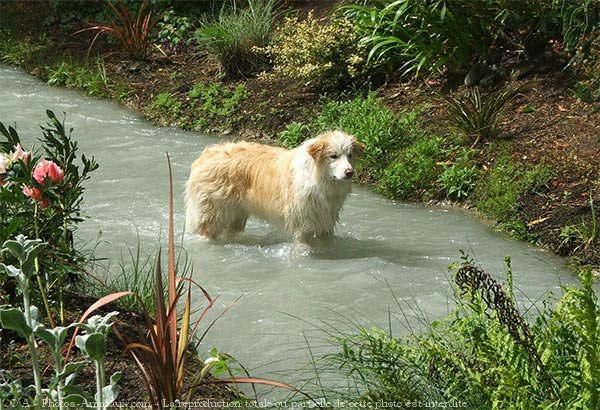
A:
{"x":336,"y":152}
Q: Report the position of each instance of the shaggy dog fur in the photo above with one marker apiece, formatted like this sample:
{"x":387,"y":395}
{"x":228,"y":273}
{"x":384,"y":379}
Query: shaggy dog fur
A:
{"x":300,"y":190}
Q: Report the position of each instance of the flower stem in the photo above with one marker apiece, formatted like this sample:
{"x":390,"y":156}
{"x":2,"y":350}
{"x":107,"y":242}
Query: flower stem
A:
{"x":37,"y":271}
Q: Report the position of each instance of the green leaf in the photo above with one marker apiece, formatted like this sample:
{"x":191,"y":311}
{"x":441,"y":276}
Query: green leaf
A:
{"x":14,"y":319}
{"x":92,"y":345}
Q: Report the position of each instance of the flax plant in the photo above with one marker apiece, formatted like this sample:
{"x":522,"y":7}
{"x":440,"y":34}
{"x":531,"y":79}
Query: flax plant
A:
{"x":162,"y":359}
{"x":133,"y":33}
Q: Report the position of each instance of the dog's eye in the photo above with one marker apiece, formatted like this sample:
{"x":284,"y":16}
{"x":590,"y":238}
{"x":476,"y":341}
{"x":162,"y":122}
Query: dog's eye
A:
{"x":349,"y":156}
{"x":333,"y":156}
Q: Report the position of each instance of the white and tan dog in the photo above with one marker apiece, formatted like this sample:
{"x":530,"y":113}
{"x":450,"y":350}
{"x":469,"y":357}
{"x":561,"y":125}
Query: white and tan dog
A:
{"x":300,"y":190}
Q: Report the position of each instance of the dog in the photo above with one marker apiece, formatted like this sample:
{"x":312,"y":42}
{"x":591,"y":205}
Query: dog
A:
{"x":300,"y":190}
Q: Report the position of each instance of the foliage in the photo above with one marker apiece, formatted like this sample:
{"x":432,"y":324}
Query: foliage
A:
{"x":92,"y":80}
{"x":236,"y":33}
{"x":17,"y":51}
{"x":484,"y":354}
{"x":313,"y":52}
{"x":133,"y":33}
{"x":166,"y":107}
{"x":501,"y":186}
{"x":62,"y":392}
{"x":458,"y":181}
{"x":413,"y":171}
{"x":214,"y":100}
{"x":41,"y":196}
{"x":477,"y":117}
{"x":175,"y":30}
{"x":293,"y":134}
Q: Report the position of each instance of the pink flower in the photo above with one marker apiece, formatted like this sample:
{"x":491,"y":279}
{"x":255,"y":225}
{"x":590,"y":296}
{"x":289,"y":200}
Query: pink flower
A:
{"x":19,"y":154}
{"x":36,"y":195}
{"x":48,"y":170}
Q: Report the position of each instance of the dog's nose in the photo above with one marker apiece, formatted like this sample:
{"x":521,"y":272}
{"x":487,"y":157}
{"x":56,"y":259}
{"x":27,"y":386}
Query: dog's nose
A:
{"x":349,"y":172}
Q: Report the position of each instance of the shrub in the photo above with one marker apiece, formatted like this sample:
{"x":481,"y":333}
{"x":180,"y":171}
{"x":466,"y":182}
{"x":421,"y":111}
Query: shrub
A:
{"x":236,"y":34}
{"x":429,"y":36}
{"x":40,"y":197}
{"x":324,"y":54}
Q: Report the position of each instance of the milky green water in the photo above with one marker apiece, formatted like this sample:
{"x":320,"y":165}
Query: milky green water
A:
{"x":407,"y":246}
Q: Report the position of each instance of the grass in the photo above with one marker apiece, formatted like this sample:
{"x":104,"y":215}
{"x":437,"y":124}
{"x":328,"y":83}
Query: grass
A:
{"x":89,"y":78}
{"x":234,"y":35}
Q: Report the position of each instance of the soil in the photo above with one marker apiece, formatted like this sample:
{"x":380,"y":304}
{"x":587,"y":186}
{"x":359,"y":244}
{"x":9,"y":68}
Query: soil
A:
{"x":548,"y":125}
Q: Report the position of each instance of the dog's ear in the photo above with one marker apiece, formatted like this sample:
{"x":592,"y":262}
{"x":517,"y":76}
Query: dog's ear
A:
{"x":317,"y":150}
{"x":358,"y":148}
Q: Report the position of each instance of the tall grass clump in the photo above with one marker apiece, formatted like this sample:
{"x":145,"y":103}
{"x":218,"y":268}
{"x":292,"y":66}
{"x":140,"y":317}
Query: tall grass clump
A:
{"x":484,"y":354}
{"x":234,"y":36}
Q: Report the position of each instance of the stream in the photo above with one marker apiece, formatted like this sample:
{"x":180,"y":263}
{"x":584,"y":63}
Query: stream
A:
{"x":383,"y":249}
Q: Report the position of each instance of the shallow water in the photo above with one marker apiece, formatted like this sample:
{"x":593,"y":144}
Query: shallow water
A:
{"x":378,"y":241}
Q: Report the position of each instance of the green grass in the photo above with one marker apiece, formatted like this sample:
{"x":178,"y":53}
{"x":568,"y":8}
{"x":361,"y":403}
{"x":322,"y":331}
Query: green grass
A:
{"x":234,"y":35}
{"x":89,"y":78}
{"x":21,"y":51}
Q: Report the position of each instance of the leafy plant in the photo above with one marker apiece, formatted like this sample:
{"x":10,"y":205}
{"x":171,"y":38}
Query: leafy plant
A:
{"x":236,"y":33}
{"x":166,"y":107}
{"x":497,"y":192}
{"x":133,"y":33}
{"x":175,"y":30}
{"x":293,"y":134}
{"x":430,"y":36}
{"x":40,"y":197}
{"x":412,"y":172}
{"x":477,"y":117}
{"x":458,"y":181}
{"x":62,"y":393}
{"x":484,"y":354}
{"x":216,"y":103}
{"x":323,"y":53}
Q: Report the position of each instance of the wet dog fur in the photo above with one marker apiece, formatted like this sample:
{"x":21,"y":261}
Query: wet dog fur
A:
{"x":300,"y":190}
